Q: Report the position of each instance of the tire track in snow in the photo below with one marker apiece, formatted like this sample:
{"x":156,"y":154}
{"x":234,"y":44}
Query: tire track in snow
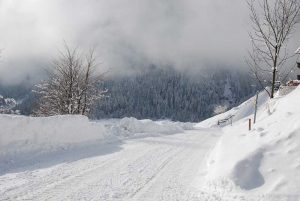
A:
{"x":160,"y":169}
{"x":121,"y":183}
{"x":174,"y":182}
{"x":56,"y":190}
{"x":151,"y":168}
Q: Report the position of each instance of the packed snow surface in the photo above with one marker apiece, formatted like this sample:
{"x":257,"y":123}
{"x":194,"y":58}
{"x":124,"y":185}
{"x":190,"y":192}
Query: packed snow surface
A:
{"x":72,"y":158}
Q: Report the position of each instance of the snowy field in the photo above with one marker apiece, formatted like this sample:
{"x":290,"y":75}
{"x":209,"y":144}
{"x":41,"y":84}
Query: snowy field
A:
{"x":72,"y":158}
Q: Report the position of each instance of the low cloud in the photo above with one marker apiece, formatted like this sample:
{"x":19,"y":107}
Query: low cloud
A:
{"x":128,"y":34}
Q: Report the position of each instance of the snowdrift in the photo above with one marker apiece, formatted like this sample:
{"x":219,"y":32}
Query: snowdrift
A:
{"x":24,"y":137}
{"x":264,"y":161}
{"x":131,"y":127}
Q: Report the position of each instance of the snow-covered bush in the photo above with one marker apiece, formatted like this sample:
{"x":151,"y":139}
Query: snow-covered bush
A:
{"x":72,"y":87}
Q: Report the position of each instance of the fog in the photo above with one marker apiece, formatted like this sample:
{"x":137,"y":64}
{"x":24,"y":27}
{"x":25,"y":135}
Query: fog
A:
{"x":128,"y":34}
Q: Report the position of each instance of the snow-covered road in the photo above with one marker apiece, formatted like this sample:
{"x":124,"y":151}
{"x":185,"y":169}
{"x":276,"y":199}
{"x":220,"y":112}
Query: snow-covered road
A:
{"x":153,"y":168}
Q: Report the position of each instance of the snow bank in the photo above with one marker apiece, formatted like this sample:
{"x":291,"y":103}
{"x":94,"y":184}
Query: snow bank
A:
{"x":22,"y":136}
{"x":133,"y":125}
{"x":264,"y":160}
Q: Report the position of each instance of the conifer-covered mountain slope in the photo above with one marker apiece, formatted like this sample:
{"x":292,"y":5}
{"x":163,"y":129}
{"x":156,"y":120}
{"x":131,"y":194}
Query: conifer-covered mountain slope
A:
{"x":160,"y":94}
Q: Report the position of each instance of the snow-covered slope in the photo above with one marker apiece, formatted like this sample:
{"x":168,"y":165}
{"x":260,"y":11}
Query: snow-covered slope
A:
{"x":264,"y":161}
{"x":239,"y":112}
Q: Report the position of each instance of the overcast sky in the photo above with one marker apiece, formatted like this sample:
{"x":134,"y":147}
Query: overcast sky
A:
{"x":128,"y":34}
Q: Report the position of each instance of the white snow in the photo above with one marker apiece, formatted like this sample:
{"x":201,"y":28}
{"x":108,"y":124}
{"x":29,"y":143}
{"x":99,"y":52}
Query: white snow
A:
{"x":22,"y":137}
{"x":264,"y":161}
{"x":240,"y":112}
{"x":133,"y":125}
{"x":72,"y":158}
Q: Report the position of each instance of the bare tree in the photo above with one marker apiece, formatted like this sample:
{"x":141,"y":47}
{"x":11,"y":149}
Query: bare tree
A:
{"x":273,"y":22}
{"x":72,"y":87}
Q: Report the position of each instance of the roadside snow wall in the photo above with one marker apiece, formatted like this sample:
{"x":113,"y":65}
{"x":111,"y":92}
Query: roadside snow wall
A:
{"x":22,"y":136}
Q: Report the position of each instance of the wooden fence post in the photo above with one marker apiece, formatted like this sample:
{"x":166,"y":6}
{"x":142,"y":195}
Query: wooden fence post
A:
{"x":255,"y":108}
{"x":249,"y":124}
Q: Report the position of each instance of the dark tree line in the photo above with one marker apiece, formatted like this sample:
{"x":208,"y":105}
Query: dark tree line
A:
{"x":159,"y":94}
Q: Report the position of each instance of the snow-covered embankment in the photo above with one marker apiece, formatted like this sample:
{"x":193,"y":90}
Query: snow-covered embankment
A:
{"x":265,"y":160}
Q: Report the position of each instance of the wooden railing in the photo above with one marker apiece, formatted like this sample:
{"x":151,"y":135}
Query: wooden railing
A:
{"x":222,"y":121}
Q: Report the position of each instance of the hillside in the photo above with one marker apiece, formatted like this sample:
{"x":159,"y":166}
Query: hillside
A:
{"x":262,"y":162}
{"x":169,"y":94}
